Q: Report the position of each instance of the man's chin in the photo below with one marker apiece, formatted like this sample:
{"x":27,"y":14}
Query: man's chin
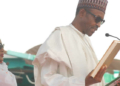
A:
{"x":1,"y":62}
{"x":1,"y":59}
{"x":90,"y":34}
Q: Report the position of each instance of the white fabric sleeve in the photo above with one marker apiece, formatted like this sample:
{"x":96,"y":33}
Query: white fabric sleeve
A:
{"x":7,"y":78}
{"x":50,"y":77}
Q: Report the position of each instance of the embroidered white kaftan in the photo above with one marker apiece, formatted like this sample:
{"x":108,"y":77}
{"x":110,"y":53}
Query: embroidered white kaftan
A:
{"x":65,"y":59}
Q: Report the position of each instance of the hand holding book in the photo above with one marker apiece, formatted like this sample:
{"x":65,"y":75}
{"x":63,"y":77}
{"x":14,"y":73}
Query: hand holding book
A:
{"x":107,"y":57}
{"x":97,"y":79}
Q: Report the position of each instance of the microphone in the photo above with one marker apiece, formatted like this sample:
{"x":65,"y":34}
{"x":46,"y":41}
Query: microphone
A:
{"x":107,"y":35}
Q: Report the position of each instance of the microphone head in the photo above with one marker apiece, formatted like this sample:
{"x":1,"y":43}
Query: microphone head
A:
{"x":107,"y":34}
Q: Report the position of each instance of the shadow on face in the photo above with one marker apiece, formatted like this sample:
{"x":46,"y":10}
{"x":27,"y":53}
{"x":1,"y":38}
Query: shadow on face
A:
{"x":92,"y":25}
{"x":88,"y":21}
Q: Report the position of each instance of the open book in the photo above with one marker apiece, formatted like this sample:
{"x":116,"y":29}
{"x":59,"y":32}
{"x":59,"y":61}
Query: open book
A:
{"x":107,"y":57}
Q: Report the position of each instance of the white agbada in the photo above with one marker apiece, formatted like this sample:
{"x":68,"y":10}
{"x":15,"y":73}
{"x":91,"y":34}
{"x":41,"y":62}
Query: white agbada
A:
{"x":6,"y":77}
{"x":65,"y":59}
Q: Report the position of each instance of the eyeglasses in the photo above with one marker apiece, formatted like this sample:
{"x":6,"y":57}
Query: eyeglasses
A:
{"x":97,"y":18}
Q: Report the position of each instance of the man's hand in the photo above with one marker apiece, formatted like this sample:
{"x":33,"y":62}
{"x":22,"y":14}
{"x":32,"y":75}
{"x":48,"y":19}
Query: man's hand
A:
{"x":98,"y":78}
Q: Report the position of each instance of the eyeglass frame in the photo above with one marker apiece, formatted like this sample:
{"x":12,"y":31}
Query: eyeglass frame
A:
{"x":102,"y":21}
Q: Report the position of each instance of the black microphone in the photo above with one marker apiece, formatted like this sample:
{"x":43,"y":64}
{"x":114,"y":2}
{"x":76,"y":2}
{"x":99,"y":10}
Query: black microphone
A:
{"x":107,"y":35}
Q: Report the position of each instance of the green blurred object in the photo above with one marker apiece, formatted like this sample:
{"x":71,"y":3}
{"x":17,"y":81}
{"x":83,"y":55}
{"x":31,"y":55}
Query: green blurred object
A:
{"x":110,"y":77}
{"x":21,"y":55}
{"x":17,"y":65}
{"x":21,"y":69}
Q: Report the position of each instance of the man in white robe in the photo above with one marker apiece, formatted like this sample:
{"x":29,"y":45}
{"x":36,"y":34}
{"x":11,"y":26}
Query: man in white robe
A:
{"x":67,"y":57}
{"x":6,"y":77}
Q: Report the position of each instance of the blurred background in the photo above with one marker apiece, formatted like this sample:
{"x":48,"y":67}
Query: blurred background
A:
{"x":26,"y":24}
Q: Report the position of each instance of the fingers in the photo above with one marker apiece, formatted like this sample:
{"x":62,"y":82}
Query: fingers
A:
{"x":101,"y":73}
{"x":104,"y":70}
{"x":90,"y":80}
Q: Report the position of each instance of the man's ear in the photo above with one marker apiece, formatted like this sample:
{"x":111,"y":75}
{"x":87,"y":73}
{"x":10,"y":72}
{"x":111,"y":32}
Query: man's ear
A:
{"x":82,"y":12}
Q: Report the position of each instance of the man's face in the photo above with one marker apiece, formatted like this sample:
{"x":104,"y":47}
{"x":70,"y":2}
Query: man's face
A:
{"x":91,"y":25}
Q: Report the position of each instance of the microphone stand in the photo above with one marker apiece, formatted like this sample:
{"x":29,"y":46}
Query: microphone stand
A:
{"x":114,"y":37}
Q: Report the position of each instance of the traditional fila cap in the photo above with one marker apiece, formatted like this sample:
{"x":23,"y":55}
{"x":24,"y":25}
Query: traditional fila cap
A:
{"x":95,"y":4}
